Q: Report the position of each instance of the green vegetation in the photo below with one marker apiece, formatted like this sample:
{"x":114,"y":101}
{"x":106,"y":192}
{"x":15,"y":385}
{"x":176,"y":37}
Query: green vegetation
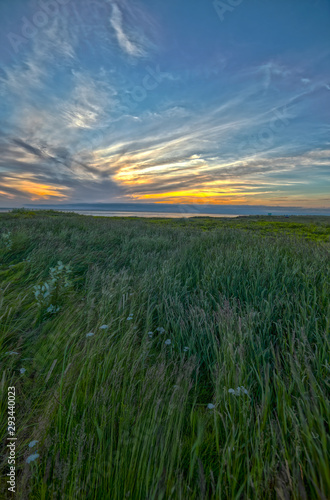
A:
{"x":120,"y":412}
{"x":312,"y":228}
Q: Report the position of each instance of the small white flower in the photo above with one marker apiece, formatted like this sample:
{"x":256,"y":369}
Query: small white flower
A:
{"x":53,"y":309}
{"x":150,"y":334}
{"x":129,"y":318}
{"x":168,"y":342}
{"x":22,"y":370}
{"x":11,"y":352}
{"x":90,"y":334}
{"x":210,"y":406}
{"x":186,"y":349}
{"x":160,"y":329}
{"x":238,"y":391}
{"x":104,"y":327}
{"x":31,"y":458}
{"x":33,"y":443}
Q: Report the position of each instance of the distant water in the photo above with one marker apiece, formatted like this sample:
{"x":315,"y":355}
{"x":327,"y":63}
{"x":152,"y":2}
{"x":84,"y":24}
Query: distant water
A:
{"x":174,"y":210}
{"x":117,"y":213}
{"x":173,"y":215}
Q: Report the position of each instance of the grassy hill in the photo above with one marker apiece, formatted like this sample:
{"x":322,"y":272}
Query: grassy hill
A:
{"x":166,"y":358}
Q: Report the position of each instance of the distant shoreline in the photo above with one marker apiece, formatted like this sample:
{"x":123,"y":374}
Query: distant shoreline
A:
{"x":165,"y":215}
{"x":175,"y":211}
{"x":115,"y":213}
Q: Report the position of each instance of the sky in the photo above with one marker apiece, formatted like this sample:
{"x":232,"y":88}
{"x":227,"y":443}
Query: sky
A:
{"x":176,"y":101}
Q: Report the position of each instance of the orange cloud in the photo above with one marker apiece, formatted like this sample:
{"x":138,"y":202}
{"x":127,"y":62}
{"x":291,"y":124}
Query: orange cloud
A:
{"x":208,"y":197}
{"x":35,"y":190}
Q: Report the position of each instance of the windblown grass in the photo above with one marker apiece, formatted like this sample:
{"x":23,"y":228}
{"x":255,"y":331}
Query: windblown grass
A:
{"x":122,"y":414}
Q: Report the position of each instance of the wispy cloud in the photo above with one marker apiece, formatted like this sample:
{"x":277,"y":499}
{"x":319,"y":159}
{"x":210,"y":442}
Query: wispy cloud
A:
{"x":116,"y":20}
{"x":90,"y":102}
{"x":104,"y":104}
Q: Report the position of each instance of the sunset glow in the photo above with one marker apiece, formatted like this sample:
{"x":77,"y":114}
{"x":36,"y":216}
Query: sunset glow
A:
{"x":166,"y":102}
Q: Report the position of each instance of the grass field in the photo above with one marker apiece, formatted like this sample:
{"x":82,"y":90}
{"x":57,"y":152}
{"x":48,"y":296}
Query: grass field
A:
{"x":166,"y":358}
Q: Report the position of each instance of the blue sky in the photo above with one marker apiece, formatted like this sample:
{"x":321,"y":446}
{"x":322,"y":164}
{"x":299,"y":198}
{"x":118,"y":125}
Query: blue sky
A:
{"x":170,"y":102}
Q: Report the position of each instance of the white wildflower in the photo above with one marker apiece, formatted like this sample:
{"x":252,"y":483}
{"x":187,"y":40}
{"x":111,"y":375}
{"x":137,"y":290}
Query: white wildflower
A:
{"x":210,"y":406}
{"x":160,"y":329}
{"x":150,"y":334}
{"x":33,"y":443}
{"x":168,"y":342}
{"x":53,"y":309}
{"x":32,"y":458}
{"x":11,"y":352}
{"x":90,"y":334}
{"x":7,"y":240}
{"x":104,"y":327}
{"x":186,"y":349}
{"x":238,"y":391}
{"x":22,"y":370}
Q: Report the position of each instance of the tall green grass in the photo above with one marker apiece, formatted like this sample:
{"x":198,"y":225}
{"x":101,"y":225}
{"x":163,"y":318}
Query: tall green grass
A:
{"x":120,"y":414}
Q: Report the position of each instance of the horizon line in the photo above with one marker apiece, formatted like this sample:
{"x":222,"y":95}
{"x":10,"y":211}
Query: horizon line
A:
{"x":178,"y":207}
